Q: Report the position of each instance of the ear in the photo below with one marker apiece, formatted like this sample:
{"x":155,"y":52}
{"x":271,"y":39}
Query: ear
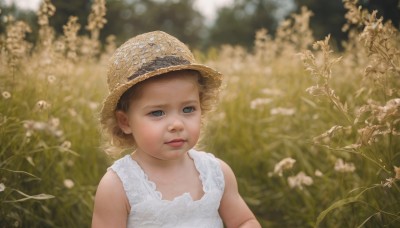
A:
{"x":123,"y":122}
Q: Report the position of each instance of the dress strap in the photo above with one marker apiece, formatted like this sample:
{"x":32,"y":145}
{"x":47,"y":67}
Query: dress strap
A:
{"x":133,"y":179}
{"x":210,"y":170}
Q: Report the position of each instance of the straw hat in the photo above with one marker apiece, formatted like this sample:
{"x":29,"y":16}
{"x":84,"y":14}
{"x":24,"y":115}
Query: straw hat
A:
{"x":145,"y":56}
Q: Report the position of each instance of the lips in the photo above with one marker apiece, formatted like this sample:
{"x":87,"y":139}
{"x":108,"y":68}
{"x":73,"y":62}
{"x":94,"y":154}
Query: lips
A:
{"x":176,"y":142}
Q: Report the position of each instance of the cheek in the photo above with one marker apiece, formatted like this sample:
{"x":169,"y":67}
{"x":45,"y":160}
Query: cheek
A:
{"x":145,"y":132}
{"x":195,"y":127}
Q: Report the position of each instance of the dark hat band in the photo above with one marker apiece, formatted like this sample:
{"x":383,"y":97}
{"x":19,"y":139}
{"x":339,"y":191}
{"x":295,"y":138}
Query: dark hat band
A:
{"x":158,"y":63}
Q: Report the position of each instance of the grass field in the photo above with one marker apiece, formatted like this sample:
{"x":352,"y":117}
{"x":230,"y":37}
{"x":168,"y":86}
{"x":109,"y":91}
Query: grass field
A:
{"x":312,"y":134}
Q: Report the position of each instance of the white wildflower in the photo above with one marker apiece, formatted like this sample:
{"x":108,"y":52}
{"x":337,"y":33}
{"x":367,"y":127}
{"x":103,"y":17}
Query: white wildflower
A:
{"x":70,"y":163}
{"x":283,"y":111}
{"x":299,"y":180}
{"x":397,"y":172}
{"x":2,"y":187}
{"x":54,"y":122}
{"x":68,"y":183}
{"x":51,"y":79}
{"x":57,"y":132}
{"x":28,"y":134}
{"x":6,"y":94}
{"x":39,"y":126}
{"x":8,"y":19}
{"x":93,"y":105}
{"x":343,"y":167}
{"x":389,"y":182}
{"x":271,"y":92}
{"x":72,"y":112}
{"x":59,"y":45}
{"x":66,"y":145}
{"x":318,"y":173}
{"x":259,"y":102}
{"x":42,"y":105}
{"x":286,"y":163}
{"x":390,"y":109}
{"x":30,"y":126}
{"x":53,"y":127}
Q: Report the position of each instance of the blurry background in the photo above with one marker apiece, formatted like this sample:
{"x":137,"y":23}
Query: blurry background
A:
{"x":201,"y":23}
{"x":310,"y":125}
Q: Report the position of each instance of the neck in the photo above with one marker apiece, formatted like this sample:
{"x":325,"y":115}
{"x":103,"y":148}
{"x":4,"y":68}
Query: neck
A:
{"x":149,"y":161}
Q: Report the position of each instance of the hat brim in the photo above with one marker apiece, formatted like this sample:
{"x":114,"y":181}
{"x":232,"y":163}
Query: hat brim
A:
{"x":112,"y":99}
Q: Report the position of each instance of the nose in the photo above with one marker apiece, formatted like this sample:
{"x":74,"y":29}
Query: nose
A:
{"x":176,"y":125}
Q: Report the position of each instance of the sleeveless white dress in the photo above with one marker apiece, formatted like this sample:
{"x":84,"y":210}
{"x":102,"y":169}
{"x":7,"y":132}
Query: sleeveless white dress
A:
{"x":148,"y":209}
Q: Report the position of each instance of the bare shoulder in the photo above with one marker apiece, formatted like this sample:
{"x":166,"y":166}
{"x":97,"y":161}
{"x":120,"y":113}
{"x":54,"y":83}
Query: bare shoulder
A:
{"x":231,"y":186}
{"x":227,"y":170}
{"x":110,"y":177}
{"x":233,"y":209}
{"x":111,"y":206}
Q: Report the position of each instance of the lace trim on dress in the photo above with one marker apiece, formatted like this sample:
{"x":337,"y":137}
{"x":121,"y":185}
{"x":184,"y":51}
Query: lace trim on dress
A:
{"x":146,"y":179}
{"x":139,"y":187}
{"x":149,"y":210}
{"x":199,"y":167}
{"x":209,"y":174}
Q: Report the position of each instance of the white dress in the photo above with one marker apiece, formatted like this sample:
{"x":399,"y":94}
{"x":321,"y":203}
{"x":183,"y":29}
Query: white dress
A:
{"x":148,"y":209}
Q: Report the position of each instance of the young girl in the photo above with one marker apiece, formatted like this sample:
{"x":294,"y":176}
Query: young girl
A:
{"x":158,"y":98}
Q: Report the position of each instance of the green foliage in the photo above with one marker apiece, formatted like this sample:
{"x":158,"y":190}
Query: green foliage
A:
{"x":178,"y":18}
{"x":27,"y":16}
{"x":327,"y":19}
{"x":306,"y":149}
{"x":237,"y":24}
{"x":50,"y":161}
{"x":312,"y":137}
{"x":65,"y":9}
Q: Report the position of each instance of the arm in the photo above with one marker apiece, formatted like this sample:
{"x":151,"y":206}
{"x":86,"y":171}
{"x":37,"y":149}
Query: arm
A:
{"x":233,"y":210}
{"x":111,"y":206}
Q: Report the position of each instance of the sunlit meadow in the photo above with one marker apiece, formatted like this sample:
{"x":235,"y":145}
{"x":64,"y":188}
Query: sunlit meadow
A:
{"x":313,"y":134}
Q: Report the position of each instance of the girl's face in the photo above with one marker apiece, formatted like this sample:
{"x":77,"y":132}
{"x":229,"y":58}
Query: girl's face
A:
{"x":164,"y":116}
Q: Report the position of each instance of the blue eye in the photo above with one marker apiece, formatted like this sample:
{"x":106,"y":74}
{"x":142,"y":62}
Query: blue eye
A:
{"x":157,"y":113}
{"x":188,"y":109}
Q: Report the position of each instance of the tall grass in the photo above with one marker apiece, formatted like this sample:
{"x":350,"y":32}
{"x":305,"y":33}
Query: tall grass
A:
{"x":50,"y":163}
{"x":312,"y":134}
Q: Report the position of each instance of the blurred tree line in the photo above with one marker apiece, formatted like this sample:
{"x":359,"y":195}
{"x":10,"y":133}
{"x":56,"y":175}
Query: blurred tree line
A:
{"x":235,"y":24}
